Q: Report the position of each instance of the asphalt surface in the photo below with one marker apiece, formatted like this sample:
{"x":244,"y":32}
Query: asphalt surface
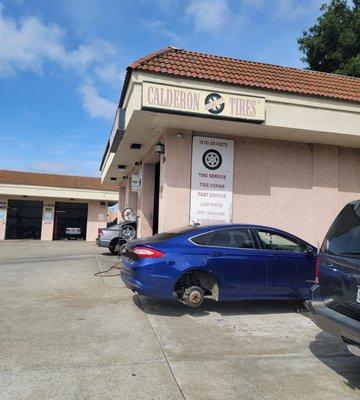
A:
{"x":67,"y":334}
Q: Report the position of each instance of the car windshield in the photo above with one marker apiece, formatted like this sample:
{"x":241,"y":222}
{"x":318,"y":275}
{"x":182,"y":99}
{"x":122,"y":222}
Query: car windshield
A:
{"x":116,"y":227}
{"x":170,"y":234}
{"x":343,"y":237}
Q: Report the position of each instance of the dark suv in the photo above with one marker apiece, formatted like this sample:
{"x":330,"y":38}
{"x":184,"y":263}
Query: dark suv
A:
{"x":335,"y":299}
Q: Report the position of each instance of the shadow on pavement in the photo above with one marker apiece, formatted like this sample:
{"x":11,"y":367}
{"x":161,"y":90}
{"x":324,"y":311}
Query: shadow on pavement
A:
{"x":108,"y":253}
{"x":331,"y":351}
{"x":176,"y":309}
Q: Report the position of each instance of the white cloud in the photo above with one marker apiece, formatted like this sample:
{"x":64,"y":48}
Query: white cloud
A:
{"x":157,"y":27}
{"x":48,"y":166}
{"x":28,"y":44}
{"x":209,"y":15}
{"x":111,"y":74}
{"x":292,"y":9}
{"x":94,"y":104}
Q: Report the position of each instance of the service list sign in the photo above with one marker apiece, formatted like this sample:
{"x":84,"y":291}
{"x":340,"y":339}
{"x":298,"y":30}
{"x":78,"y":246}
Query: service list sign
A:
{"x":211,"y":180}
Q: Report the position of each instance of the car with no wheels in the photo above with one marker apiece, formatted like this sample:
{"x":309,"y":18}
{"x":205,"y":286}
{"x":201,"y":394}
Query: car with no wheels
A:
{"x":223,"y":262}
{"x":335,"y":299}
{"x":115,"y":236}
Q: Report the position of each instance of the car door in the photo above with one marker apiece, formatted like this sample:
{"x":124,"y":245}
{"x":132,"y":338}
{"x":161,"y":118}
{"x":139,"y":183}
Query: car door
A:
{"x":239,"y":266}
{"x":283,"y":253}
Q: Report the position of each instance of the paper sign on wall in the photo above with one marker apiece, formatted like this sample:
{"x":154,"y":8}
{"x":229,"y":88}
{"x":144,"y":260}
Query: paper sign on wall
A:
{"x":48,"y":217}
{"x":211,"y":180}
{"x":135,"y":183}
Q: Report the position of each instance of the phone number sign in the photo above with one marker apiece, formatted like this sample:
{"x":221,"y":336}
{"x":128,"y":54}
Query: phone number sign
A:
{"x":212,"y":180}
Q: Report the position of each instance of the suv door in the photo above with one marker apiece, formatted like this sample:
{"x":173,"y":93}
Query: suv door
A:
{"x":240,"y":267}
{"x":286,"y":261}
{"x":340,"y":262}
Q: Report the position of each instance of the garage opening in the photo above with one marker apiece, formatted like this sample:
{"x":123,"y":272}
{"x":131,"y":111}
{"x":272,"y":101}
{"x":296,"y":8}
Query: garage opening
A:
{"x":70,"y":221}
{"x":24,"y":219}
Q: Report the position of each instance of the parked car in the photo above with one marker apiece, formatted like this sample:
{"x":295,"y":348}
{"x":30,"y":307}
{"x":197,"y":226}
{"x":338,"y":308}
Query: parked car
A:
{"x":115,"y":236}
{"x":72,"y":233}
{"x":335,"y":299}
{"x":224,"y":262}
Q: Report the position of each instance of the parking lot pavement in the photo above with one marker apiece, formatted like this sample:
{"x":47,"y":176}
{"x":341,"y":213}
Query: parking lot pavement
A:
{"x":66,"y":334}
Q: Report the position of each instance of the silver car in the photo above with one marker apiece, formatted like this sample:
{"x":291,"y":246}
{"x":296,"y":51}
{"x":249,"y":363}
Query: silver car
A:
{"x":115,"y":236}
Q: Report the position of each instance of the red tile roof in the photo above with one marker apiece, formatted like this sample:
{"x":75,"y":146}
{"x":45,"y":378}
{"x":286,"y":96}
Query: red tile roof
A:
{"x":191,"y":64}
{"x":64,"y":181}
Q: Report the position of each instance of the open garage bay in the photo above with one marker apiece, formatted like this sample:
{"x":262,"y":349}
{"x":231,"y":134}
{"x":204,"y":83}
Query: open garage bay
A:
{"x":67,"y":334}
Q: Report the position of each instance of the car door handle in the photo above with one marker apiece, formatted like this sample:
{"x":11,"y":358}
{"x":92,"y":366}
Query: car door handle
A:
{"x":216,"y":254}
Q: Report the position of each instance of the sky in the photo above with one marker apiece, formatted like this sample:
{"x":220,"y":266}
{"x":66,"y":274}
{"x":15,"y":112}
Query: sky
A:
{"x":62,"y":64}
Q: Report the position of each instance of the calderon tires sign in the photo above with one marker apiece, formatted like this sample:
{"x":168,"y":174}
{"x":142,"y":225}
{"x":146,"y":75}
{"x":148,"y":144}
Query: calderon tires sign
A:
{"x":211,"y":180}
{"x":208,"y":103}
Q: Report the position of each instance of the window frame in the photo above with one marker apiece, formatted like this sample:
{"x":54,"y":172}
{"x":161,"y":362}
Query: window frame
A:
{"x":300,"y":243}
{"x":249,"y":230}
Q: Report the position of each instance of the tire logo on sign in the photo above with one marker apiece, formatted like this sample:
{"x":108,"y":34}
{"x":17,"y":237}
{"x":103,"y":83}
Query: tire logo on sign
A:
{"x":212,"y":159}
{"x":214,"y":103}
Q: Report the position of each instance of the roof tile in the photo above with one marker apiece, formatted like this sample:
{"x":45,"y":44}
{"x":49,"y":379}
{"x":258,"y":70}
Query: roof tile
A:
{"x":191,"y":64}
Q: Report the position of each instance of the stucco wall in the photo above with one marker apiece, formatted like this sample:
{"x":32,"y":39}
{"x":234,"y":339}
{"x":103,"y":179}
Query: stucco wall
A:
{"x":297,"y":187}
{"x":3,"y":221}
{"x":145,"y":202}
{"x":175,"y":170}
{"x":96,"y":219}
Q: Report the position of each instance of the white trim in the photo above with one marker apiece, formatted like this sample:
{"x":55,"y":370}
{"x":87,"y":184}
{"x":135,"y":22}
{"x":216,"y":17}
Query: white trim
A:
{"x":57,"y":192}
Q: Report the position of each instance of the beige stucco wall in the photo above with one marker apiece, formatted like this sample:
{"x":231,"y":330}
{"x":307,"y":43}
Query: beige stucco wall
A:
{"x":175,"y":170}
{"x":297,"y":187}
{"x":145,"y":204}
{"x":96,"y":219}
{"x":3,"y":221}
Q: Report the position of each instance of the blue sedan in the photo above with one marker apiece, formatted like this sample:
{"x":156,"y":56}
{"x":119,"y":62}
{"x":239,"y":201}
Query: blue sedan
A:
{"x":223,"y":262}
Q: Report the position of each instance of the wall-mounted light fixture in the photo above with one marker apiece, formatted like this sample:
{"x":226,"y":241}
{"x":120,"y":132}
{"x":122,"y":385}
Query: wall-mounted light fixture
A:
{"x":121,"y":167}
{"x":113,"y":178}
{"x":135,"y":146}
{"x":159,"y":148}
{"x":138,"y":163}
{"x":125,"y":177}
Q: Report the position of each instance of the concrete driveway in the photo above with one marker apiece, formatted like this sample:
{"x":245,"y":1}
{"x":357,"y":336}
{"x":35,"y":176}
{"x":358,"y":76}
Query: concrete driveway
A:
{"x":66,"y":334}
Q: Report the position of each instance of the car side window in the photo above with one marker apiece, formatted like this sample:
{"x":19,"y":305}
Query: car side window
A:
{"x":274,"y":241}
{"x":238,"y":238}
{"x":201,"y":240}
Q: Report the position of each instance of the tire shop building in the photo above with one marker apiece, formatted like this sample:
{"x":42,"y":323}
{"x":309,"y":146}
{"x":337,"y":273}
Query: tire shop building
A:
{"x":42,"y":206}
{"x":212,"y":139}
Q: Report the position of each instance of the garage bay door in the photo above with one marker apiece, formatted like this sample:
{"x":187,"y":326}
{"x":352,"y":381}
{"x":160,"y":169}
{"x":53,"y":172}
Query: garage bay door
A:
{"x":70,"y":220}
{"x":24,"y":218}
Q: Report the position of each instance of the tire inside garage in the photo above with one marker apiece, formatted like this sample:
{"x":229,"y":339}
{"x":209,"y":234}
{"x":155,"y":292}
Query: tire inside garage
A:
{"x":24,"y":219}
{"x":70,"y":215}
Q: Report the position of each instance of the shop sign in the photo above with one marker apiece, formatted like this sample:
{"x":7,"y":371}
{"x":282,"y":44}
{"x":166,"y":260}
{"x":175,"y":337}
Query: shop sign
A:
{"x":211,"y":180}
{"x":3,"y":205}
{"x":204,"y":102}
{"x":135,"y":183}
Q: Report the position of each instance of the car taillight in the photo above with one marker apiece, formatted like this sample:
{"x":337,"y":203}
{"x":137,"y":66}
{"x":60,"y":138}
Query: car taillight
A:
{"x":147,"y":252}
{"x":317,"y":269}
{"x":100,"y":232}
